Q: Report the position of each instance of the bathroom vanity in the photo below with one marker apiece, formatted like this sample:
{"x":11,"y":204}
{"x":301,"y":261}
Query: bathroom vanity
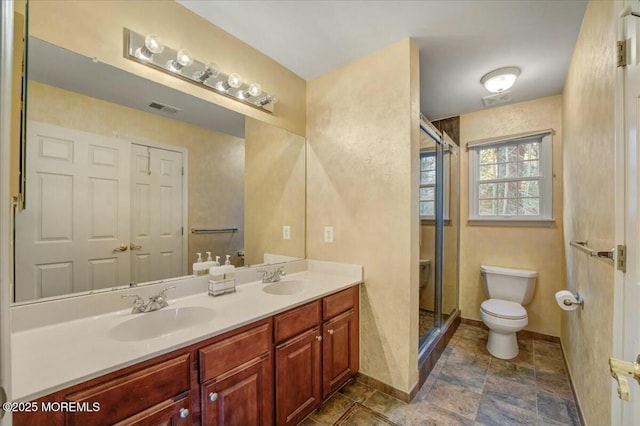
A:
{"x":287,"y":352}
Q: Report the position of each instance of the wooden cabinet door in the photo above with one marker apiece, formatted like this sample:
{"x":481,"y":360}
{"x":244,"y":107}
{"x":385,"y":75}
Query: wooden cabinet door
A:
{"x":243,"y":396}
{"x":340,"y":351}
{"x":169,"y":413}
{"x":298,"y":377}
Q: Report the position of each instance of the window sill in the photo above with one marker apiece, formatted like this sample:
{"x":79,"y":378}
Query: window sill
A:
{"x":511,"y":222}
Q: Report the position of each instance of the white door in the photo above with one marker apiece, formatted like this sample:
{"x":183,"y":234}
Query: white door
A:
{"x":627,"y":301}
{"x":156,"y":213}
{"x":74,"y":232}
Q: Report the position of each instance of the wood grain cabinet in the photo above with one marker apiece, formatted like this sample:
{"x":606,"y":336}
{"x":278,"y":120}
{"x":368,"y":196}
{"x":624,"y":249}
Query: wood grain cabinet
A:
{"x":275,"y":370}
{"x":319,"y":358}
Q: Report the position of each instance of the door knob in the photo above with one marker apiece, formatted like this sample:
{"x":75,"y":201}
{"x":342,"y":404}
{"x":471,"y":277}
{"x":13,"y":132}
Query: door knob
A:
{"x":120,"y":248}
{"x":133,"y":246}
{"x":184,"y":413}
{"x":213,"y":396}
{"x":319,"y":338}
{"x":620,"y":368}
{"x":330,"y":331}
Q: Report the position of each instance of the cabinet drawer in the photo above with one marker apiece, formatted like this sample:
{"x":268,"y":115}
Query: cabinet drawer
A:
{"x":128,"y":395}
{"x":338,"y":303}
{"x":233,"y":351}
{"x":295,"y":321}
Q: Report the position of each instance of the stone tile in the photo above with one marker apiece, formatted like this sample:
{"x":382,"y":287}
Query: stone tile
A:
{"x":553,"y":383}
{"x":455,"y":399}
{"x":554,"y":410}
{"x":431,"y":415}
{"x":509,"y":370}
{"x":361,"y":416}
{"x":357,"y":391}
{"x":332,"y":410}
{"x":470,"y":332}
{"x":501,"y":409}
{"x":547,"y":349}
{"x":525,"y":343}
{"x":549,"y":365}
{"x":524,"y":359}
{"x":471,"y":378}
{"x":466,"y":358}
{"x":390,"y":407}
{"x":525,"y":391}
{"x":309,"y":422}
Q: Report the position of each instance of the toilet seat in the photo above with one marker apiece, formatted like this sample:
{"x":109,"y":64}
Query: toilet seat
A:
{"x":503,"y":309}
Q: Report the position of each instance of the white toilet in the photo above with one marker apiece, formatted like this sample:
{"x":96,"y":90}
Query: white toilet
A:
{"x":425,"y":270}
{"x":507,"y":290}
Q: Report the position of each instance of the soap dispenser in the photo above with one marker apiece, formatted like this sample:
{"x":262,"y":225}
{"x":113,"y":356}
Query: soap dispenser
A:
{"x":200,"y":268}
{"x":217,"y":261}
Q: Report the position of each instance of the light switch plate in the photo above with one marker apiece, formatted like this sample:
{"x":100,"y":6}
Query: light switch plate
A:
{"x":286,"y":232}
{"x":328,"y":234}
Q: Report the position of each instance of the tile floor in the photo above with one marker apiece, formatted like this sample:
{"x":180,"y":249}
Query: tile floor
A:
{"x":467,"y":387}
{"x":425,"y":321}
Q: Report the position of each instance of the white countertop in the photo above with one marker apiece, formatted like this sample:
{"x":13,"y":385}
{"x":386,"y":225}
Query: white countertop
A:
{"x":49,"y":358}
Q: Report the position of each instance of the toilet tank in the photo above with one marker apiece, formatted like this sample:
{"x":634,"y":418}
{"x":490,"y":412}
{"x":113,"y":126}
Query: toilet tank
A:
{"x":515,"y":285}
{"x":425,"y":271}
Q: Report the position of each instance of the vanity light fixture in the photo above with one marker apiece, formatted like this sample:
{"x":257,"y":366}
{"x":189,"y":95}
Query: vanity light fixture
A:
{"x":501,"y":79}
{"x":150,"y":51}
{"x":210,"y":70}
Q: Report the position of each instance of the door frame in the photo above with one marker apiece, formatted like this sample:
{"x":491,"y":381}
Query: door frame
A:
{"x":6,"y":235}
{"x":185,"y":188}
{"x":620,"y":207}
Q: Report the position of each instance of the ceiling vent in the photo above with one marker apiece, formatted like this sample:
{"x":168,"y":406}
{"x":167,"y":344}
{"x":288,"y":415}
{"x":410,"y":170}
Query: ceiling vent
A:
{"x":164,"y":108}
{"x":497,"y":99}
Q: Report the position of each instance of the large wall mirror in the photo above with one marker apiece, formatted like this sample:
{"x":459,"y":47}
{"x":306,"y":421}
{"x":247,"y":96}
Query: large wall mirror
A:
{"x":127,"y":179}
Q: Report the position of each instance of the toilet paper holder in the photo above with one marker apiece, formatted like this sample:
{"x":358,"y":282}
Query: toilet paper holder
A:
{"x":579,"y":301}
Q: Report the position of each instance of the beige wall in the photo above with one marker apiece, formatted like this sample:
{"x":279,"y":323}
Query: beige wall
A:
{"x":215,"y":193}
{"x":95,"y":29}
{"x":362,"y":163}
{"x":589,"y":144}
{"x":274,"y":191}
{"x":528,"y":247}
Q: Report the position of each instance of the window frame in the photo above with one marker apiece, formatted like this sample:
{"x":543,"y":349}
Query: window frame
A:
{"x":431,"y":152}
{"x":545,"y":180}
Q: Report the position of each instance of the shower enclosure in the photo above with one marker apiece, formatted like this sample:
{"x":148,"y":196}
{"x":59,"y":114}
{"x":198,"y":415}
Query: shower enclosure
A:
{"x":439,"y":236}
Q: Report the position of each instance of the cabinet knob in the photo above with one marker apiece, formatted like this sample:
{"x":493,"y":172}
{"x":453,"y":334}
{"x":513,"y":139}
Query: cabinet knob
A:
{"x":213,"y":396}
{"x":330,"y":332}
{"x":319,"y":338}
{"x":184,"y":413}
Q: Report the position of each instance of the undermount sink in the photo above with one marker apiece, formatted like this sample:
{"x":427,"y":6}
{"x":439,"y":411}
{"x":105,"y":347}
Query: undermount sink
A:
{"x":159,"y":323}
{"x":285,"y":287}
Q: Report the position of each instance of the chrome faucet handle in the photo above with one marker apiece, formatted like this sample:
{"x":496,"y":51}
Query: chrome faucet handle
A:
{"x":139,"y":304}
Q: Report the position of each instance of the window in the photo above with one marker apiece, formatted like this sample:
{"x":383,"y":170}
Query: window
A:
{"x":428,"y":185}
{"x":511,"y":180}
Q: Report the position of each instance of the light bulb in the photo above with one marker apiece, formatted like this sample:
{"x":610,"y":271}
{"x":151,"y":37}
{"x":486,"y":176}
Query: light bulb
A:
{"x":184,"y":57}
{"x":210,"y":70}
{"x":254,"y":89}
{"x":152,"y":45}
{"x":235,"y":80}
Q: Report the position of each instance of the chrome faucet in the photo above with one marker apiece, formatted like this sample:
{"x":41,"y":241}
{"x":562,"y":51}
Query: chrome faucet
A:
{"x":154,"y":303}
{"x":273,"y":277}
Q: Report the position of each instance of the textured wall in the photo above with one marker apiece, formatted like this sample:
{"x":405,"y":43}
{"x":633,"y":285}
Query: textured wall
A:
{"x":589,"y":129}
{"x":274,"y":191}
{"x":215,"y":193}
{"x":95,"y":29}
{"x":527,"y":247}
{"x":362,"y":163}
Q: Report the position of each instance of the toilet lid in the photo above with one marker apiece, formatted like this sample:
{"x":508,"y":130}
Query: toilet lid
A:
{"x":503,"y":309}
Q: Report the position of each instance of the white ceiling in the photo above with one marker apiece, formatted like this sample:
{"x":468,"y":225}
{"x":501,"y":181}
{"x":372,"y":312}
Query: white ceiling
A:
{"x":459,"y":41}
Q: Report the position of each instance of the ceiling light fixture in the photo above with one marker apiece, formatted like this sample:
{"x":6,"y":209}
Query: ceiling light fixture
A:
{"x":501,"y":79}
{"x":180,"y":63}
